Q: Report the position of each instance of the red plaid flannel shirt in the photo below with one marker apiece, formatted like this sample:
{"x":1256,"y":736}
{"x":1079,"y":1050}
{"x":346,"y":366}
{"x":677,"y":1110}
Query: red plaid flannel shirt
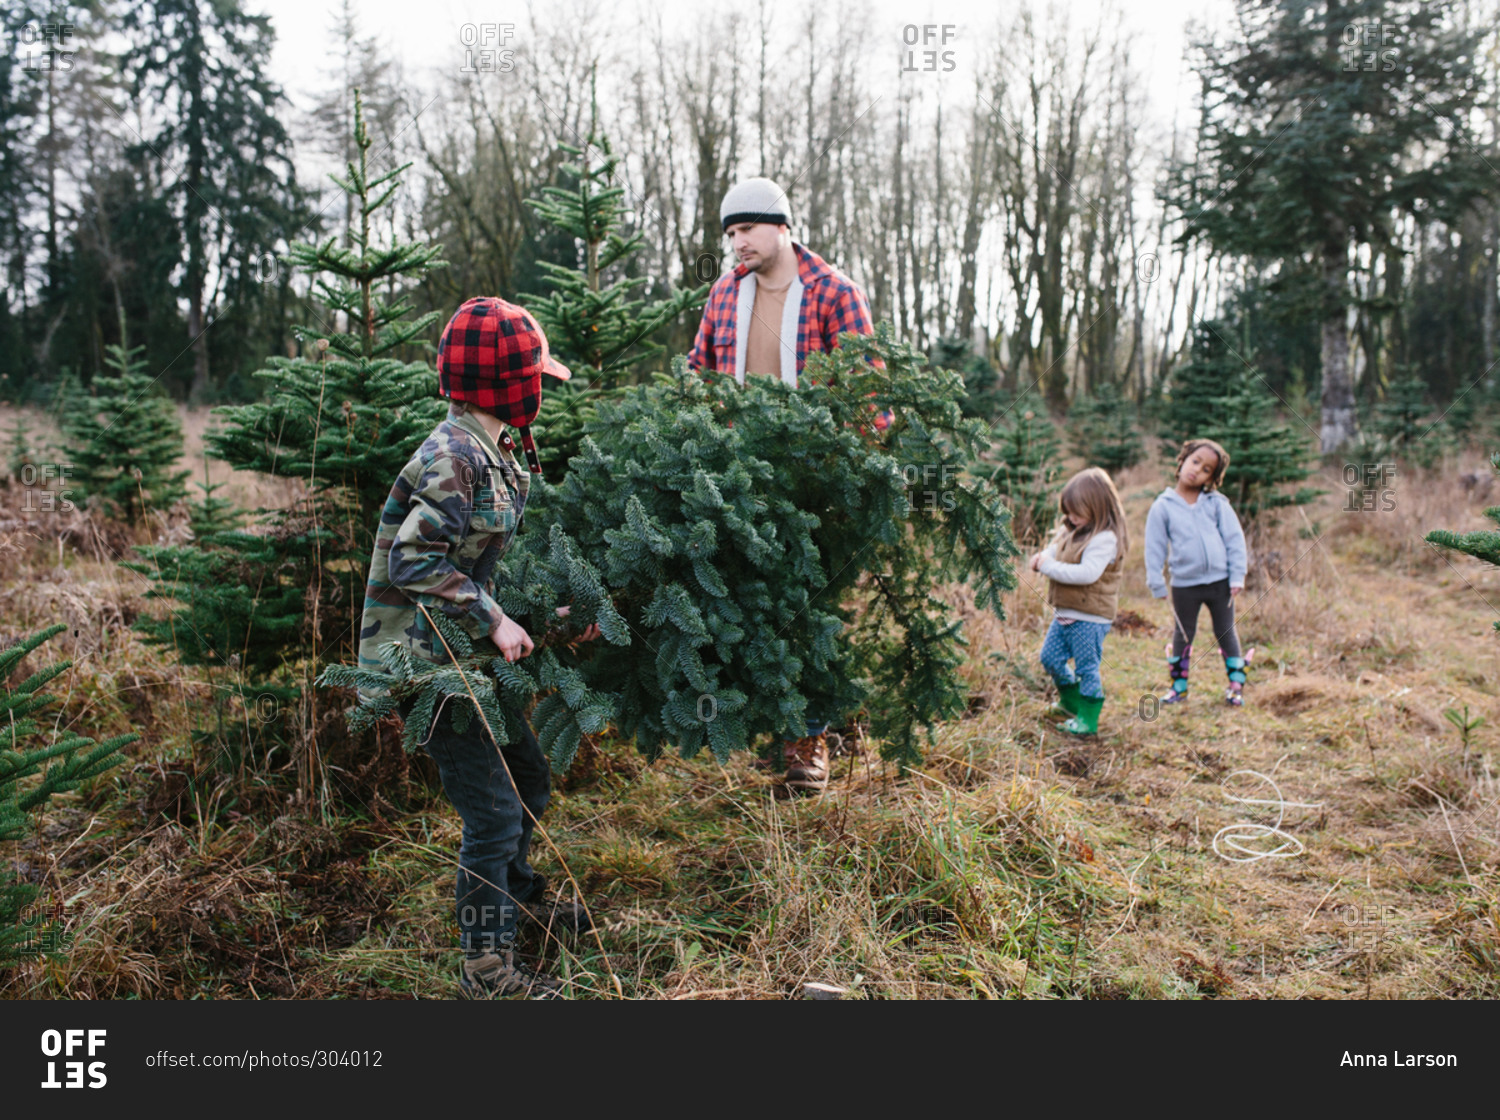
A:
{"x":831,"y":305}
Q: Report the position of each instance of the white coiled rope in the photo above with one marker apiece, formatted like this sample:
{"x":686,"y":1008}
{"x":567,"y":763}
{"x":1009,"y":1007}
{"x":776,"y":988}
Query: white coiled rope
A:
{"x":1242,"y":833}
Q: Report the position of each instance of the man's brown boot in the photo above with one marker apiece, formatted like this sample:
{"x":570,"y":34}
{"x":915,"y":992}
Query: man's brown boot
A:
{"x":807,"y":764}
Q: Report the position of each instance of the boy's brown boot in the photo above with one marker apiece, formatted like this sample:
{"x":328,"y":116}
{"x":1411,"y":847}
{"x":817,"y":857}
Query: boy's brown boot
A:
{"x":807,"y":764}
{"x":500,"y":975}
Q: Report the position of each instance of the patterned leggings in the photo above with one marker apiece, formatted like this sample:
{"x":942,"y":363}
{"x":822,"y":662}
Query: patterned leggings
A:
{"x":1081,"y":641}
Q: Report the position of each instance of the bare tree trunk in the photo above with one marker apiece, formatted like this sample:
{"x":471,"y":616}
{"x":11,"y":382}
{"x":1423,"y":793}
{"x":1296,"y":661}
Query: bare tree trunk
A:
{"x":1340,"y":425}
{"x":898,"y":221}
{"x":980,"y":179}
{"x":1487,"y":312}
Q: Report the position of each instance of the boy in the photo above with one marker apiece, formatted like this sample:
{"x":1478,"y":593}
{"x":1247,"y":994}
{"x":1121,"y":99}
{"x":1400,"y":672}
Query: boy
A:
{"x":451,"y":514}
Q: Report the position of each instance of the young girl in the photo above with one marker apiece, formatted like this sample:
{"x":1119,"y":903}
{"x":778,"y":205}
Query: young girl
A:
{"x":1194,"y":524}
{"x":1082,"y":564}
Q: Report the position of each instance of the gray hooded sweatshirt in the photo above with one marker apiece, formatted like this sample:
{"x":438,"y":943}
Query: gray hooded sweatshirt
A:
{"x":1204,"y":541}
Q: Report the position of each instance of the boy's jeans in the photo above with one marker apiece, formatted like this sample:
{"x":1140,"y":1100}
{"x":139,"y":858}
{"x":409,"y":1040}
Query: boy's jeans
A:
{"x":494,"y":878}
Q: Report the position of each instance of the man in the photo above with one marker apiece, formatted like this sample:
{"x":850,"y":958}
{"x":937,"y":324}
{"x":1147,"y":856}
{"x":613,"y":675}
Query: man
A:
{"x":452,"y":512}
{"x":781,"y":303}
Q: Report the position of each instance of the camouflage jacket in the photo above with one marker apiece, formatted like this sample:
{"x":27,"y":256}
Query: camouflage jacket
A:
{"x":452,"y":512}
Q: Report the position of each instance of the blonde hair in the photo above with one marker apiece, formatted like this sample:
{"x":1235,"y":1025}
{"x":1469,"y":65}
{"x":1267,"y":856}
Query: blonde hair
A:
{"x":1189,"y":446}
{"x":1090,"y":495}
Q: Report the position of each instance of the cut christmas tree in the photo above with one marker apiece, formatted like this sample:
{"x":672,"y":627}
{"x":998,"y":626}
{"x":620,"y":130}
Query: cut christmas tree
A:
{"x":765,"y":555}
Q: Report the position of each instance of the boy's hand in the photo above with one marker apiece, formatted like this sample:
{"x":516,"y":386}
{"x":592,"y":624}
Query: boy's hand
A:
{"x":1036,"y":562}
{"x":512,"y":639}
{"x":590,"y":632}
{"x":1233,"y":591}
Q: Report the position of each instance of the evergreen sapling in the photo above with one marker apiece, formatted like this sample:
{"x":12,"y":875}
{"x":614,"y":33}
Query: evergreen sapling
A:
{"x":34,"y":767}
{"x":1103,"y":430}
{"x":125,"y":439}
{"x":1215,"y":395}
{"x":1028,"y":470}
{"x":599,"y":328}
{"x":274,"y":600}
{"x":1483,"y":544}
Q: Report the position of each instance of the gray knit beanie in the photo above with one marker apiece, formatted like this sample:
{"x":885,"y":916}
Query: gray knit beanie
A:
{"x":755,"y":200}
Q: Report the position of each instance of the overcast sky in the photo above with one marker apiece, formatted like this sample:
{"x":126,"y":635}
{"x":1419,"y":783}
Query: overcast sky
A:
{"x":429,"y":36}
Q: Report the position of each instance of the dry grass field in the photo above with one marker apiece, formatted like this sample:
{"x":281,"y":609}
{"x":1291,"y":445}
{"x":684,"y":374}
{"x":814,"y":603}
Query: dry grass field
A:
{"x":1015,"y":863}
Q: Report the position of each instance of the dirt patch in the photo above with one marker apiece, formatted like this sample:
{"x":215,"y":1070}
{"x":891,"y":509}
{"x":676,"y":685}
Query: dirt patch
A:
{"x":1128,"y":622}
{"x":1287,"y":696}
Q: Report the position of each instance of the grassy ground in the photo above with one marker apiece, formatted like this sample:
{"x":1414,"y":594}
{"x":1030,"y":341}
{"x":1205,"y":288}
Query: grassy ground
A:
{"x":1015,"y":863}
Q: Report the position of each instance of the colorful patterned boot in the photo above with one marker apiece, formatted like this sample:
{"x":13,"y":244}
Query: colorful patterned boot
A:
{"x":1235,"y":667}
{"x":1178,"y":668}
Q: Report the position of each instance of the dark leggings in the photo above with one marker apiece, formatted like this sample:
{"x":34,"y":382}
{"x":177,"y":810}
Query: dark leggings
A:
{"x":1187,"y":600}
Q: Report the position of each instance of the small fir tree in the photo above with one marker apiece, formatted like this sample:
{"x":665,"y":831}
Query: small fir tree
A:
{"x":21,"y":453}
{"x":35,"y":765}
{"x":125,"y":439}
{"x":599,"y":328}
{"x":1215,"y":395}
{"x":1103,"y":431}
{"x":213,"y":514}
{"x":985,"y":396}
{"x":1482,"y":544}
{"x":343,"y":418}
{"x":1462,"y":416}
{"x":1399,"y":424}
{"x":1028,"y":470}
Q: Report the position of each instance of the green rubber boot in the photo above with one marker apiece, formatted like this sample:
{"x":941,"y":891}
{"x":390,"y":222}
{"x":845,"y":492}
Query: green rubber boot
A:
{"x":1086,"y":722}
{"x":1067,"y":700}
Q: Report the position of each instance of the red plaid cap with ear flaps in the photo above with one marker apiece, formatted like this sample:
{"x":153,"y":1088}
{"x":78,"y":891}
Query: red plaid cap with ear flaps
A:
{"x":492,"y":355}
